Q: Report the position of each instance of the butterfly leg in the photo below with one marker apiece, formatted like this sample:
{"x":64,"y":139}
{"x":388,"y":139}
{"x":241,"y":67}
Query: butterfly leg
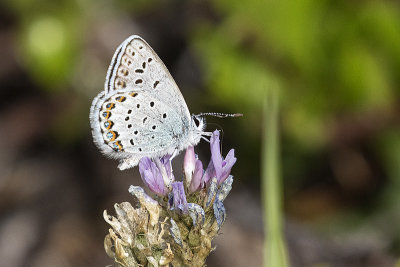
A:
{"x":128,"y":163}
{"x":174,"y":154}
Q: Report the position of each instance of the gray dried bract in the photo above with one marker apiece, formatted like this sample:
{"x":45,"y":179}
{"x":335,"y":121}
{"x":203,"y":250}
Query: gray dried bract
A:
{"x":196,"y":213}
{"x":219,"y":213}
{"x":211,"y":193}
{"x":225,"y":188}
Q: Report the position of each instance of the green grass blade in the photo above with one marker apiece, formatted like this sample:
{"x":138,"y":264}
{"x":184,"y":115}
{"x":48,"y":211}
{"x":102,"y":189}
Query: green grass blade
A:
{"x":275,"y":254}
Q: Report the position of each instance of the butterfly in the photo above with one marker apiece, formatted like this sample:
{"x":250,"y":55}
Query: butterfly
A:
{"x":141,"y":112}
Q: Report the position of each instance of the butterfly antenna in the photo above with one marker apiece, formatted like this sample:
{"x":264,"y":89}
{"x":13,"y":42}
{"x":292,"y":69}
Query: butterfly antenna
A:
{"x":220,"y":115}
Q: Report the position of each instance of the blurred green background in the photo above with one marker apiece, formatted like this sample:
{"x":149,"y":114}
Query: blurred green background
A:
{"x":336,"y":65}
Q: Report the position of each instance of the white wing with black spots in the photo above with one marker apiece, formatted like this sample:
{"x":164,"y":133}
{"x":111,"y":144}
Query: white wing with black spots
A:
{"x":141,"y":111}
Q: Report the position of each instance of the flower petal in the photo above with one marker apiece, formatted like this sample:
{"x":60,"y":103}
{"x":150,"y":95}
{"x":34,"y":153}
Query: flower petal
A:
{"x":144,"y":164}
{"x":216,"y":153}
{"x":151,"y":176}
{"x":196,"y":178}
{"x":208,"y":174}
{"x":166,"y":161}
{"x":227,"y":165}
{"x":180,"y":202}
{"x":189,"y":164}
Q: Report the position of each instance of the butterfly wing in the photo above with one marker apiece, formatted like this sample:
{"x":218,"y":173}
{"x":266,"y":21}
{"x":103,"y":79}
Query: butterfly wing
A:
{"x":136,"y":65}
{"x":141,"y":111}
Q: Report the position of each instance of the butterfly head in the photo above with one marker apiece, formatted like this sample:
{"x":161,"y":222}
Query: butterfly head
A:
{"x":197,"y":124}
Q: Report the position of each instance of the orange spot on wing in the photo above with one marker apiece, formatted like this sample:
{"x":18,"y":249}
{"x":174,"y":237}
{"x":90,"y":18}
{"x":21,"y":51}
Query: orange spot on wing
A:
{"x":106,"y":114}
{"x":120,"y":98}
{"x":112,"y":135}
{"x":117,"y":146}
{"x":108,"y":124}
{"x":110,"y":106}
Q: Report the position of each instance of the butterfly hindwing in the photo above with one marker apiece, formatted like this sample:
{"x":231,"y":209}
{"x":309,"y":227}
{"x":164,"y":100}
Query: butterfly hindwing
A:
{"x":140,"y":124}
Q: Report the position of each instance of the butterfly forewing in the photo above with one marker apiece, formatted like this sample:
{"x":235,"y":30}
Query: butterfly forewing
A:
{"x":136,"y":65}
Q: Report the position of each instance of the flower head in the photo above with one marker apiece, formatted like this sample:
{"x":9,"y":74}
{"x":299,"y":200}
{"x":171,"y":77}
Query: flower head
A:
{"x":152,"y":176}
{"x":192,"y":224}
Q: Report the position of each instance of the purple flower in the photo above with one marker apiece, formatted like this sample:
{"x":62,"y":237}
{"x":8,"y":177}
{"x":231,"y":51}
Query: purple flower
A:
{"x":157,"y":173}
{"x":152,"y":176}
{"x":197,"y":175}
{"x":189,"y":163}
{"x":218,"y":166}
{"x":208,"y":174}
{"x":193,"y":169}
{"x":180,"y":203}
{"x":167,"y":163}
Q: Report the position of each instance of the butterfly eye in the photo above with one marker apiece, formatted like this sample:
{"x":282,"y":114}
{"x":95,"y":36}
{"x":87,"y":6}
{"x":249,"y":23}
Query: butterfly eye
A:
{"x":196,"y":121}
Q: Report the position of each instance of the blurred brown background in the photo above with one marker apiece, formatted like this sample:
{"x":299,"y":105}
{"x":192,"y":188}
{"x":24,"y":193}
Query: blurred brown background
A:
{"x":336,"y":64}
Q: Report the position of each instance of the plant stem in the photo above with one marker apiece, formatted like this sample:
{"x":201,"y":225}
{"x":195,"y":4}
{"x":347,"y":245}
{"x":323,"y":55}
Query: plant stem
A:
{"x":274,"y":245}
